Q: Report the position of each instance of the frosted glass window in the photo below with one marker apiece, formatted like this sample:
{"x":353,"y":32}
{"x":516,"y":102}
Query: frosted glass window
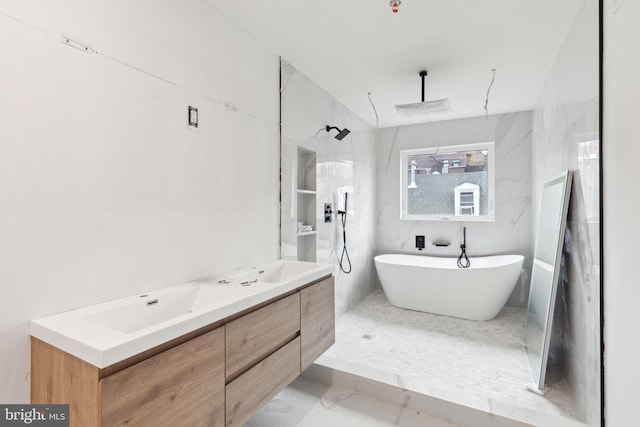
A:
{"x":436,"y":183}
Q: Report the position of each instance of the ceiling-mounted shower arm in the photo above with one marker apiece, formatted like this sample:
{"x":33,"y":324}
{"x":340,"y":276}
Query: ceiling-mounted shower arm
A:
{"x":424,"y":107}
{"x":423,"y":74}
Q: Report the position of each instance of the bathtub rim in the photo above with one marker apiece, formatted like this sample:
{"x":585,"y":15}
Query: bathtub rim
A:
{"x":387,"y":259}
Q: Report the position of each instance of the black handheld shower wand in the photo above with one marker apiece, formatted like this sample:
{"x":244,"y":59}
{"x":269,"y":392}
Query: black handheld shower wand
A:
{"x":344,"y":238}
{"x":463,"y":259}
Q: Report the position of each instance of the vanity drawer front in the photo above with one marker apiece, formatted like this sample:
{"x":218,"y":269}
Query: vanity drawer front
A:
{"x":318,"y":321}
{"x":248,"y":393}
{"x":180,"y":386}
{"x":254,"y":336}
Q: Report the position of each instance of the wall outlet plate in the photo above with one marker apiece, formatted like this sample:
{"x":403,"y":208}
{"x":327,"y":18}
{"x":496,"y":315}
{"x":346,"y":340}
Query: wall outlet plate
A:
{"x":193,"y":116}
{"x":420,"y":242}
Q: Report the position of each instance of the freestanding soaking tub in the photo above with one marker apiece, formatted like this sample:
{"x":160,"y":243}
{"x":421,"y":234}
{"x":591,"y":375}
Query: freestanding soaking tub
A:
{"x":437,"y":285}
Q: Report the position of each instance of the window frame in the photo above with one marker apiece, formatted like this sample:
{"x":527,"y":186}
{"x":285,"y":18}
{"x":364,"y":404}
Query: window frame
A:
{"x":491,"y":193}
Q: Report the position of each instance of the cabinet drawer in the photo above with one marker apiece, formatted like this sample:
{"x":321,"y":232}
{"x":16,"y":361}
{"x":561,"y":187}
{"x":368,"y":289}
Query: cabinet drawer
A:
{"x":254,"y":336}
{"x":248,"y":393}
{"x":318,"y":322}
{"x":181,"y":386}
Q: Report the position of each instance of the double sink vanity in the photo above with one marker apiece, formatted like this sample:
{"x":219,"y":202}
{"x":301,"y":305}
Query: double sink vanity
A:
{"x":205,"y":353}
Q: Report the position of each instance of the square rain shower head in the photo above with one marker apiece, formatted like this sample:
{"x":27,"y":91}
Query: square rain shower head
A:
{"x":421,"y":108}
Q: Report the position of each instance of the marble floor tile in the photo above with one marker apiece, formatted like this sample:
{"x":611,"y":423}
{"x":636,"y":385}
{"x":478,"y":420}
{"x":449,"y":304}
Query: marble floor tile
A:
{"x":306,"y":403}
{"x":479,"y":364}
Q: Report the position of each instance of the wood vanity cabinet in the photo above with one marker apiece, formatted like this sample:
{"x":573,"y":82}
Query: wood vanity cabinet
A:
{"x":307,"y":315}
{"x":317,"y":321}
{"x":256,"y":387}
{"x":254,"y":336}
{"x":220,"y":375}
{"x":182,"y":386}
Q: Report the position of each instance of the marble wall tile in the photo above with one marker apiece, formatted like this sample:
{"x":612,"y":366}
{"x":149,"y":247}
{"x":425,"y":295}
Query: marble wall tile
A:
{"x":566,"y":136}
{"x":347,"y":165}
{"x":510,"y":233}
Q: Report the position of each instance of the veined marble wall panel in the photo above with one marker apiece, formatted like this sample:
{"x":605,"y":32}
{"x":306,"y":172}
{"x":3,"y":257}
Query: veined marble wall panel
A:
{"x":347,"y":165}
{"x":566,"y":136}
{"x":510,"y":233}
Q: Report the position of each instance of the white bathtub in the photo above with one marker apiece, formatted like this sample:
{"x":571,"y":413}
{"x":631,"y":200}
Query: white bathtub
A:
{"x":437,"y":285}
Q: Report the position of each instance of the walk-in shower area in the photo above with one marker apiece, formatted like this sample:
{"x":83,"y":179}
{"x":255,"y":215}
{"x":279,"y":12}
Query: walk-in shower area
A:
{"x":456,"y":362}
{"x":456,"y":344}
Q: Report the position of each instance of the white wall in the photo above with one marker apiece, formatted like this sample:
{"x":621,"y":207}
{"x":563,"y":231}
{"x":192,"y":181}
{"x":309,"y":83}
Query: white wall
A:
{"x":621,"y":151}
{"x":511,"y":230}
{"x":306,"y":110}
{"x":104,"y":191}
{"x":566,"y":136}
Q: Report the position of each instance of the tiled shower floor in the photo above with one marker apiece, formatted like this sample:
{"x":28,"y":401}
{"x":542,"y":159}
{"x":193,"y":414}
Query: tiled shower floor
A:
{"x":479,"y":364}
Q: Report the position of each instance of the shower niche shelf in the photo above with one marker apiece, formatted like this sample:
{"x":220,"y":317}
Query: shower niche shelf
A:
{"x":306,"y":204}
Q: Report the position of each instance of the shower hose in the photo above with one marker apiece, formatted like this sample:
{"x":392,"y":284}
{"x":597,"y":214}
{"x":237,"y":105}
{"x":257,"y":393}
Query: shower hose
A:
{"x":463,"y":259}
{"x":345,"y":253}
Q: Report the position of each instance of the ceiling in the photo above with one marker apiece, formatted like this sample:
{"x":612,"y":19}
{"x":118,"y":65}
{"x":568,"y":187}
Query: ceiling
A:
{"x":354,"y":47}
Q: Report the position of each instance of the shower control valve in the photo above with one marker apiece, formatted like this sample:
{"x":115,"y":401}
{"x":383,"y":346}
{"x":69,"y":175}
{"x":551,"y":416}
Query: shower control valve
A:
{"x":327,"y":212}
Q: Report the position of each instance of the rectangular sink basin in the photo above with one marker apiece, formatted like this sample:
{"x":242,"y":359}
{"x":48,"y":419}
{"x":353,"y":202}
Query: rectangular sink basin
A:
{"x":274,"y":272}
{"x":285,"y":270}
{"x":148,"y":311}
{"x":136,"y":314}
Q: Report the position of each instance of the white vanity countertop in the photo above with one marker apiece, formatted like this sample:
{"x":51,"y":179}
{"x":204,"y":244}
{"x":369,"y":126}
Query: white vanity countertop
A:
{"x":107,"y":333}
